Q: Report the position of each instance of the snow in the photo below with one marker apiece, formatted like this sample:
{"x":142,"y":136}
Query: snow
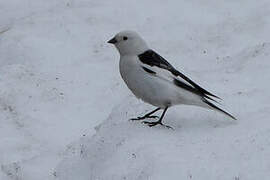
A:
{"x":65,"y":110}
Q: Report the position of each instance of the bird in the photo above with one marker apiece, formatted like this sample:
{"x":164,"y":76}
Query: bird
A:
{"x":155,"y":81}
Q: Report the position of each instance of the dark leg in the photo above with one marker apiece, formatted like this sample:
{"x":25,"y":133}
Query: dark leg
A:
{"x":150,"y":124}
{"x":148,"y":115}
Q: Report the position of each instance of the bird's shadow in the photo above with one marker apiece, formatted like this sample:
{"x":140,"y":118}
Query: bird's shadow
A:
{"x":202,"y":121}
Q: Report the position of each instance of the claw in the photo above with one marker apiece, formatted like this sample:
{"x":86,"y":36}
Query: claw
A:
{"x":151,"y":124}
{"x":143,"y":117}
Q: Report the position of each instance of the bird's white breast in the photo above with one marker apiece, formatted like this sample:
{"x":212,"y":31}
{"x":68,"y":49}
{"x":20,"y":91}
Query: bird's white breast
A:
{"x":146,"y":86}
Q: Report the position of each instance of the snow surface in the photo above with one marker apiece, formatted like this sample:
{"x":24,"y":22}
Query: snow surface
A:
{"x":65,"y":110}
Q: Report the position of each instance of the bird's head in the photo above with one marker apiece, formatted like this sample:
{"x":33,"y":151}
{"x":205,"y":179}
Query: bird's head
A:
{"x":129,"y":43}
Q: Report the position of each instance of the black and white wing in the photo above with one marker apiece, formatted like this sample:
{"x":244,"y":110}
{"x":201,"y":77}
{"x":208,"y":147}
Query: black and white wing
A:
{"x":152,"y":59}
{"x":156,"y":65}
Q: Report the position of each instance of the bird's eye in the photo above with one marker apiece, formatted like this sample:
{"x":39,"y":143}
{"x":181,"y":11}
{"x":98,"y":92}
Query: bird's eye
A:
{"x":125,"y":38}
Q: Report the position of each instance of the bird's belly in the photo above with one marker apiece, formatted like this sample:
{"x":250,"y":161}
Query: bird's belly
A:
{"x":151,"y":89}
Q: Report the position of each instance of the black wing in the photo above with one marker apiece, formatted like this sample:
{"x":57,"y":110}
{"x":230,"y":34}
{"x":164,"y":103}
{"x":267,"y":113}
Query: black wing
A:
{"x":151,"y":58}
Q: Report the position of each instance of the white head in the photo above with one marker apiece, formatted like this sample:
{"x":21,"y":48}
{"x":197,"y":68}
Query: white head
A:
{"x":129,"y":43}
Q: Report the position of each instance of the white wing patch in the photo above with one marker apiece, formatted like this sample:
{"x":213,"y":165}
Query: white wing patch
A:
{"x":164,"y":74}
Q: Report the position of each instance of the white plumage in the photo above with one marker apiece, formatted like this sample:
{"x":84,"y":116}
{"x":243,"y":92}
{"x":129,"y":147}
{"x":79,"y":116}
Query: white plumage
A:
{"x":152,"y":79}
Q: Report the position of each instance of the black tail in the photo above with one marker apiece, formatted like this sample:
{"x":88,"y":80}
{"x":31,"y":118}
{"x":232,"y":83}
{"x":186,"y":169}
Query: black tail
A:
{"x":218,"y":109}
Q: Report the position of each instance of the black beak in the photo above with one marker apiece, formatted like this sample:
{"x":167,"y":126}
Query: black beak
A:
{"x":112,"y":41}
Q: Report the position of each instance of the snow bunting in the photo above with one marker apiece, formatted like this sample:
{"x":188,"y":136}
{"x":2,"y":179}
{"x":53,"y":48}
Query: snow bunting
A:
{"x":154,"y":80}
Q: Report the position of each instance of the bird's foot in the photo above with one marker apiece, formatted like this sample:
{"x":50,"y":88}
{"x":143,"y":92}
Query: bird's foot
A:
{"x":143,"y":117}
{"x":151,"y":124}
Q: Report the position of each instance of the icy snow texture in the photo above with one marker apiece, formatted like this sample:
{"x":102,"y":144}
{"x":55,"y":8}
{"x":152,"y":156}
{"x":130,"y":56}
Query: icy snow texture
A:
{"x":59,"y":80}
